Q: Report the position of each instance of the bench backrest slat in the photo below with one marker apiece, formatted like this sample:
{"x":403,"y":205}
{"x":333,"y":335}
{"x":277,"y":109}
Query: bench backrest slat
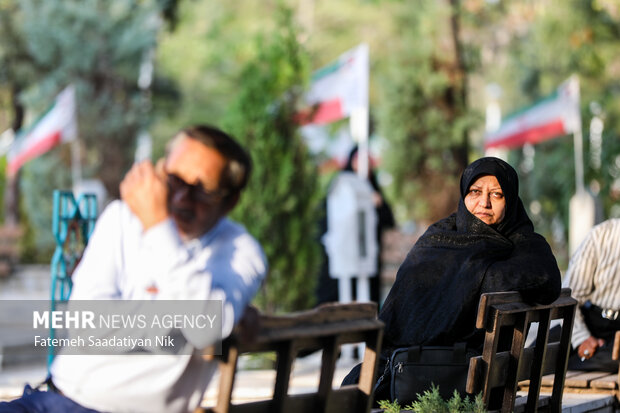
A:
{"x":325,"y":328}
{"x":506,"y":312}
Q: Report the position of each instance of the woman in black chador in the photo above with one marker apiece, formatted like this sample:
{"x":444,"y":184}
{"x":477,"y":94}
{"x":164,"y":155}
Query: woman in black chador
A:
{"x":488,"y":245}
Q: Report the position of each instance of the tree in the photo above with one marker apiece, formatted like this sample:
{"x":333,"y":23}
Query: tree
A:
{"x":423,"y":110}
{"x":546,"y":43}
{"x":15,"y":73}
{"x":281,"y":203}
{"x":98,"y":46}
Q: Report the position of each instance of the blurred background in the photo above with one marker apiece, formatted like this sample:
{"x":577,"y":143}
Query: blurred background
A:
{"x":441,"y":72}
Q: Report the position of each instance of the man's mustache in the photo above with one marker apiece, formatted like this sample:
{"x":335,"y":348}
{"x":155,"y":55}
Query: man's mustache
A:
{"x":184,"y":214}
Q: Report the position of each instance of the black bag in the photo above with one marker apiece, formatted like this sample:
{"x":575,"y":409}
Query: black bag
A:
{"x":412,"y":370}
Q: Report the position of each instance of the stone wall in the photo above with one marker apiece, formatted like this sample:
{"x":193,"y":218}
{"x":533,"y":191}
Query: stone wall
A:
{"x":396,"y":245}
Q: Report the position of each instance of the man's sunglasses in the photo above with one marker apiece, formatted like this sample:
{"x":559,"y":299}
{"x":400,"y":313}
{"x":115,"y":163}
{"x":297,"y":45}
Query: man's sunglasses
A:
{"x":195,"y":191}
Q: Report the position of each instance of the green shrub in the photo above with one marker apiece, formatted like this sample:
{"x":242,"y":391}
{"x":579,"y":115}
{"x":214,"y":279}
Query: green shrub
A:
{"x":279,"y":206}
{"x":432,"y":402}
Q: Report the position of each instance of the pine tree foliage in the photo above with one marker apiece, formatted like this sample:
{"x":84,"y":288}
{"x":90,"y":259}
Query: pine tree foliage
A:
{"x":548,"y":42}
{"x":430,"y":401}
{"x":279,"y":207}
{"x":423,"y":112}
{"x":97,"y":46}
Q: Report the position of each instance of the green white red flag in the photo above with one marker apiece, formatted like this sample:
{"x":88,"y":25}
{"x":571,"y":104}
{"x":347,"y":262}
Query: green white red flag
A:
{"x":337,"y":89}
{"x":555,"y":115}
{"x":57,"y":125}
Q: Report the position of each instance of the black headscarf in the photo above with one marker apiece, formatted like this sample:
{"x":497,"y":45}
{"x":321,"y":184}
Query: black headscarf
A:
{"x":372,"y":177}
{"x":515,"y":217}
{"x":438,"y":286}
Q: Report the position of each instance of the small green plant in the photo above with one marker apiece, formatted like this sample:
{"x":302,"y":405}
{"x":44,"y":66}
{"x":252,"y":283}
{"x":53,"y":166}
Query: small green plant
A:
{"x":432,"y":402}
{"x":258,"y":361}
{"x":389,"y":407}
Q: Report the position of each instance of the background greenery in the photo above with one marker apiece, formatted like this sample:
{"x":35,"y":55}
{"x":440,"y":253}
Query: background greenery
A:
{"x":244,"y":64}
{"x":281,"y":204}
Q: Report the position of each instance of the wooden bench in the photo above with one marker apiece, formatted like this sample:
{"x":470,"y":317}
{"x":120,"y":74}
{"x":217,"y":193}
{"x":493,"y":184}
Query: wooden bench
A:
{"x":506,"y":311}
{"x":325,"y":328}
{"x":589,"y":382}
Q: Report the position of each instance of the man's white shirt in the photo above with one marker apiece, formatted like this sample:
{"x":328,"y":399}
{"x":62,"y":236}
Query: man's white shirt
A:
{"x":124,"y":262}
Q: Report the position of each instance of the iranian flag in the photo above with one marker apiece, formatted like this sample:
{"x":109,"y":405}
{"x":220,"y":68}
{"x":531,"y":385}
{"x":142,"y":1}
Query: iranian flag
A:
{"x":338,"y":89}
{"x":57,"y":125}
{"x":556,"y":115}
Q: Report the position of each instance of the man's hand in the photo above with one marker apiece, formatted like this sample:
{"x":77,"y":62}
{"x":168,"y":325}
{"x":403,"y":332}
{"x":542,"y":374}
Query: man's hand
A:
{"x":589,"y":347}
{"x":145,"y":192}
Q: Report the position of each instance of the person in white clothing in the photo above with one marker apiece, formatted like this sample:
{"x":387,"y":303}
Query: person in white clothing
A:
{"x":593,"y":275}
{"x":168,"y":238}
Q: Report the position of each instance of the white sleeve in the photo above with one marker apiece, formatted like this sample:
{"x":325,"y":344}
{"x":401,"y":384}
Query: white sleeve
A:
{"x":237,"y":279}
{"x":160,"y":266}
{"x":95,"y":277}
{"x":230,"y":270}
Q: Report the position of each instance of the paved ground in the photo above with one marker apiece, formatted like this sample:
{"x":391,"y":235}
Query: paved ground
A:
{"x":32,"y":283}
{"x":250,"y":384}
{"x":258,"y":384}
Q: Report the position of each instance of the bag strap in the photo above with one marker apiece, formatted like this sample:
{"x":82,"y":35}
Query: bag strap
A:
{"x":385,"y":376}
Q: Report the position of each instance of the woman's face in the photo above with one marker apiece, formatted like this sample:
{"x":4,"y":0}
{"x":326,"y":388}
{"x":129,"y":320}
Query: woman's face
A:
{"x":485,"y":199}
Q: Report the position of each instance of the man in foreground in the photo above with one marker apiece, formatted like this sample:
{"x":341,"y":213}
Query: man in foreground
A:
{"x":167,"y":239}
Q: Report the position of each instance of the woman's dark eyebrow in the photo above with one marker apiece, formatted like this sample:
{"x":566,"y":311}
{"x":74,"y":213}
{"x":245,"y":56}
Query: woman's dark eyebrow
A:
{"x":490,"y":189}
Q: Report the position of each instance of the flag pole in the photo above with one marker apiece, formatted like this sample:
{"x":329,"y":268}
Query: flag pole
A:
{"x":578,"y":142}
{"x":76,"y":165}
{"x":74,"y":139}
{"x":359,"y":114}
{"x":359,"y":131}
{"x":582,"y":205}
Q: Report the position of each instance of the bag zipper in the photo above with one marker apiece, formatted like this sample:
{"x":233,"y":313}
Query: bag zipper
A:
{"x":399,"y":367}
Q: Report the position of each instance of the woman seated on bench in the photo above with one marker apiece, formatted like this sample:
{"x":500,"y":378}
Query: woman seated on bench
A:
{"x":488,"y":245}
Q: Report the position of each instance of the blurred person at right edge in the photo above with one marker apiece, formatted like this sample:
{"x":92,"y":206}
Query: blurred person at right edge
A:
{"x":593,"y":275}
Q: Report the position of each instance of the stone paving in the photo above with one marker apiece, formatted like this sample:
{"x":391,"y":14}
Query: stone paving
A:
{"x":250,"y":384}
{"x":32,"y":283}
